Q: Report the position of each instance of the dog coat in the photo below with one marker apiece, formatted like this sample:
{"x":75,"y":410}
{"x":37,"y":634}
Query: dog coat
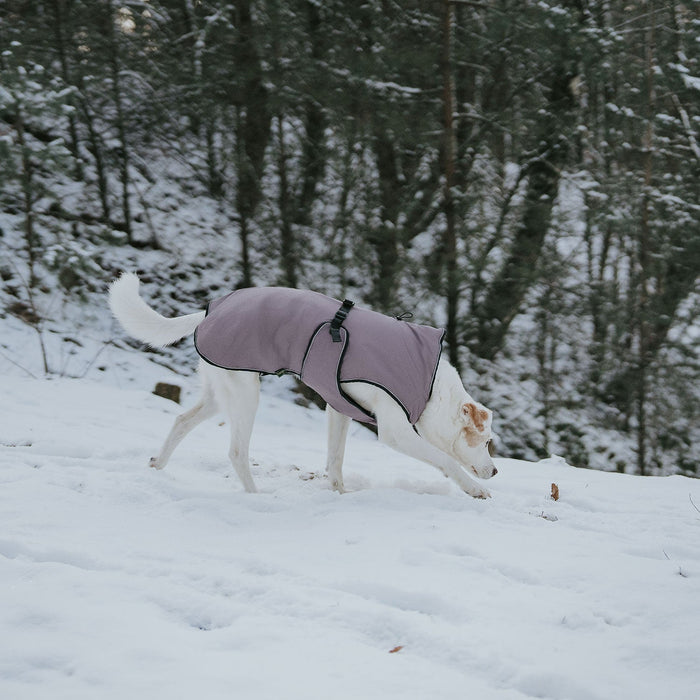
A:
{"x":275,"y":330}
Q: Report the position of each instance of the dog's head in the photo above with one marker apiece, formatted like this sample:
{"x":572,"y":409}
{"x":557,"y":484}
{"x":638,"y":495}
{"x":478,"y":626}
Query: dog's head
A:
{"x":472,"y":446}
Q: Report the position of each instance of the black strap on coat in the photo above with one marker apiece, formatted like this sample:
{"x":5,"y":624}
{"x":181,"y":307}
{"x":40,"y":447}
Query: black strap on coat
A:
{"x":338,"y":319}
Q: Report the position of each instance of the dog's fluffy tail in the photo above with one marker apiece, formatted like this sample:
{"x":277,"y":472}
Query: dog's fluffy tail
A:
{"x":143,"y":323}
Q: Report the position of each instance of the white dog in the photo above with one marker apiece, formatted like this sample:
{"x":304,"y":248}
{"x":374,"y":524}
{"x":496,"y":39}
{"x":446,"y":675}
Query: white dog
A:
{"x":453,"y":432}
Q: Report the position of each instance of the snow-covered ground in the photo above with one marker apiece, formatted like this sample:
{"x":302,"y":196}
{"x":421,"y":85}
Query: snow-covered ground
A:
{"x":117,"y":581}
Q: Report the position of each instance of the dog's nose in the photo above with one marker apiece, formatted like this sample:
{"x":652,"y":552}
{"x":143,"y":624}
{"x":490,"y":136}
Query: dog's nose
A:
{"x":494,"y":472}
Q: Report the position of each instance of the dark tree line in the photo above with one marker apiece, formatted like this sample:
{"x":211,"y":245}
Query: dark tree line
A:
{"x":527,"y":169}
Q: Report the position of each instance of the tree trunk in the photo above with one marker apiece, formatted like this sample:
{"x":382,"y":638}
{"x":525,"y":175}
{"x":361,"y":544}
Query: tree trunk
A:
{"x":96,"y":150}
{"x":115,"y":72}
{"x":243,"y":210}
{"x":313,"y":159}
{"x":253,"y":124}
{"x":448,"y":206}
{"x":645,"y":245}
{"x":59,"y":11}
{"x":384,"y":240}
{"x":507,"y":291}
{"x":288,"y":253}
{"x":27,"y":195}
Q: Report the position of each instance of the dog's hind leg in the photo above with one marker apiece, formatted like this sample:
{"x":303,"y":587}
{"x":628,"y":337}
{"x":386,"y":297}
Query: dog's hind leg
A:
{"x":238,"y":394}
{"x":184,"y":423}
{"x":337,"y":435}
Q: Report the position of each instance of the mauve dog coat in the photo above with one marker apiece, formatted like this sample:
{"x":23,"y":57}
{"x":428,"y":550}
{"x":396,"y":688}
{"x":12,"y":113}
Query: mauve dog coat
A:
{"x":274,"y":330}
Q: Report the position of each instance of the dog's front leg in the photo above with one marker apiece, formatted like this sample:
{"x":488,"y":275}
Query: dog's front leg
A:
{"x":397,"y":432}
{"x":337,"y":435}
{"x":411,"y":444}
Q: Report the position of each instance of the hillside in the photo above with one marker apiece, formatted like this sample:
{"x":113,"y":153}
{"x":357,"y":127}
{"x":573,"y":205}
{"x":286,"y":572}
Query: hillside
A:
{"x":525,"y":179}
{"x":118,"y":581}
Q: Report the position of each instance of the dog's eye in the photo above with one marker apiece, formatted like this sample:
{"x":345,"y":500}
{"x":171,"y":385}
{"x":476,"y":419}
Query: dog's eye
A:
{"x":491,"y":448}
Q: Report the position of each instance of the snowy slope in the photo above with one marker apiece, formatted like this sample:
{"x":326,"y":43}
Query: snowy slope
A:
{"x":117,"y":581}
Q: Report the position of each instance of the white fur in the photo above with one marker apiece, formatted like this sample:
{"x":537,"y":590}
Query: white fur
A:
{"x":140,"y":321}
{"x":440,"y":435}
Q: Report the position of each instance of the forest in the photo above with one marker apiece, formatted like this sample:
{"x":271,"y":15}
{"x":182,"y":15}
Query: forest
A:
{"x":525,"y":174}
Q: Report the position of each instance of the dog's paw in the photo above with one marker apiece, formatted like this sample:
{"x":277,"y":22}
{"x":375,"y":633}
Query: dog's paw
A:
{"x":338,"y":485}
{"x":479,"y":493}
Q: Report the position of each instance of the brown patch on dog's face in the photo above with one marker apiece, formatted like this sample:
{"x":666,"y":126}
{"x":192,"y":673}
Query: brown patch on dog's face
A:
{"x":475,"y":419}
{"x":471,"y":435}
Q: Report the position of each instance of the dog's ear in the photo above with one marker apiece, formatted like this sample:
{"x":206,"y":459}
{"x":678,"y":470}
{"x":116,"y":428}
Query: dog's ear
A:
{"x":474,"y":415}
{"x":474,"y":419}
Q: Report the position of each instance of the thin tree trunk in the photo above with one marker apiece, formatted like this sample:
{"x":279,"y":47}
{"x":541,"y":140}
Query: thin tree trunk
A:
{"x":243,"y":208}
{"x":253,"y":125}
{"x":313,"y":160}
{"x":449,"y":166}
{"x":27,"y":196}
{"x":96,"y":150}
{"x":215,"y":183}
{"x":545,"y":353}
{"x":59,"y":31}
{"x":338,"y":243}
{"x":287,"y":243}
{"x":121,"y":120}
{"x":384,"y":239}
{"x":644,"y":247}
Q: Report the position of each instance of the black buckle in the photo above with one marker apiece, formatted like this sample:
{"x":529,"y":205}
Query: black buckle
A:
{"x":338,"y":319}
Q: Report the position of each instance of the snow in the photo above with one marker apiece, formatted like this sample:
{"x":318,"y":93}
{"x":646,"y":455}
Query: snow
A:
{"x":119,"y":581}
{"x":691,"y":81}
